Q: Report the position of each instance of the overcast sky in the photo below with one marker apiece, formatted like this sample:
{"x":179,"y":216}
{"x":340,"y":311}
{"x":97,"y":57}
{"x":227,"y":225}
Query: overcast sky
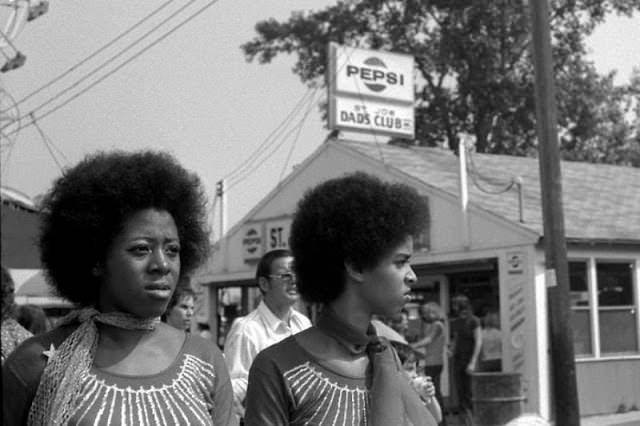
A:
{"x":192,"y":94}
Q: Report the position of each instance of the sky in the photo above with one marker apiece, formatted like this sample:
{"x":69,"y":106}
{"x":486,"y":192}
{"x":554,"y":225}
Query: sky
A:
{"x":192,"y":94}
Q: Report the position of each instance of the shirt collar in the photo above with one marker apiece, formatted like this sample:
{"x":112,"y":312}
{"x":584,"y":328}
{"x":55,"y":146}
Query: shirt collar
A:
{"x":270,"y":319}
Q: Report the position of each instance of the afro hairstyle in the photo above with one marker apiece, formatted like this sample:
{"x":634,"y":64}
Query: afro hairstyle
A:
{"x":88,"y":206}
{"x":356,"y":219}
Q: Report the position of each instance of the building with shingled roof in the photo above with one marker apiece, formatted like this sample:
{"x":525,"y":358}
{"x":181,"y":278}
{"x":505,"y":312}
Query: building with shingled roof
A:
{"x":492,"y":250}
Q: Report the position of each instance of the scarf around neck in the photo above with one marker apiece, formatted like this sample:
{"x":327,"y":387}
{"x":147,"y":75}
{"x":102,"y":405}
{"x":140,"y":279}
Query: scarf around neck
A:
{"x":61,"y":381}
{"x":392,"y":400}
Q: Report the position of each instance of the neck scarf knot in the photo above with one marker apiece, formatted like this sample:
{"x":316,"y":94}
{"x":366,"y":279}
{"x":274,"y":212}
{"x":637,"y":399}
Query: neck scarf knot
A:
{"x":61,"y":380}
{"x":392,"y":400}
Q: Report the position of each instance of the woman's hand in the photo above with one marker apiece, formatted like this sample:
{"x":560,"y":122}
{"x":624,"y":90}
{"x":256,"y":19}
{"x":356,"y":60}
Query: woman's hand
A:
{"x":471,"y":367}
{"x":424,"y":386}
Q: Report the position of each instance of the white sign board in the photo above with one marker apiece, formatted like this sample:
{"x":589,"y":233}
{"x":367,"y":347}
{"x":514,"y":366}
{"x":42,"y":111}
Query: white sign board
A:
{"x":277,"y":234}
{"x":372,"y":116}
{"x":360,"y":72}
{"x":252,"y":241}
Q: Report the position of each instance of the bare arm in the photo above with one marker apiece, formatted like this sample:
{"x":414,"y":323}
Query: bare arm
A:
{"x":477,"y":336}
{"x":426,"y":340}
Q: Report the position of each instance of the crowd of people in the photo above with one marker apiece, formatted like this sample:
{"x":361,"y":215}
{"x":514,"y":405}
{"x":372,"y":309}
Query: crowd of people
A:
{"x":123,"y":232}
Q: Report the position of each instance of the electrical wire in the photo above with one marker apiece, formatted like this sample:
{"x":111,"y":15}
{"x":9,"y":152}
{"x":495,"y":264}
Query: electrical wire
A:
{"x":295,"y":141}
{"x":476,"y":182}
{"x":140,"y":52}
{"x":97,"y":52}
{"x":44,"y":140}
{"x":48,"y":141}
{"x":271,"y":137}
{"x":112,"y":58}
{"x":244,"y":170}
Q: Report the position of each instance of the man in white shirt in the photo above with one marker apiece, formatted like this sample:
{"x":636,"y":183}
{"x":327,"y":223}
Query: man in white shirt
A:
{"x":272,"y":321}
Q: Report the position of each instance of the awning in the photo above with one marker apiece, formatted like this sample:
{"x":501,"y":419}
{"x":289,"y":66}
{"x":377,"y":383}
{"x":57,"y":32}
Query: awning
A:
{"x":20,"y":229}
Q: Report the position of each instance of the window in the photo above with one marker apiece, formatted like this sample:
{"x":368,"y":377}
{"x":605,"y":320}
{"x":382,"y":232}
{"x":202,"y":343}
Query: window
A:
{"x":603,"y":299}
{"x":580,"y":315}
{"x":617,"y":312}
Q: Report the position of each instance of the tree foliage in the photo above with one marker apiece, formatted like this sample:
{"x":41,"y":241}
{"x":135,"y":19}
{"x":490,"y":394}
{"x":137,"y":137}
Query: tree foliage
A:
{"x":473,"y":69}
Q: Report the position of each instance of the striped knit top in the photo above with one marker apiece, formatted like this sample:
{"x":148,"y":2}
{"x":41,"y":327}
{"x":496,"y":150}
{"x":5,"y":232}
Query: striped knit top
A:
{"x":194,"y":390}
{"x":287,"y":385}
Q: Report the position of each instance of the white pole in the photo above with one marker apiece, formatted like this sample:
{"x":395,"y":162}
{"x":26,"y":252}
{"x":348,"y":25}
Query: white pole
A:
{"x":464,"y":191}
{"x":222,"y":198}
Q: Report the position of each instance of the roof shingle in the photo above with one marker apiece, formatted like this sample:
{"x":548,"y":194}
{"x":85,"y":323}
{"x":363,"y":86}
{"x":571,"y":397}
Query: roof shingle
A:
{"x":601,"y":202}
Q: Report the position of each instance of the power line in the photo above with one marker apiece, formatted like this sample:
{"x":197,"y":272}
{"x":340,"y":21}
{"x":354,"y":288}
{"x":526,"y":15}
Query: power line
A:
{"x":112,"y":58}
{"x":48,"y":140}
{"x":295,"y":141}
{"x":243,"y":170}
{"x":158,"y":40}
{"x":476,"y":182}
{"x":273,"y":151}
{"x":268,"y":140}
{"x":44,"y":140}
{"x":94,"y":54}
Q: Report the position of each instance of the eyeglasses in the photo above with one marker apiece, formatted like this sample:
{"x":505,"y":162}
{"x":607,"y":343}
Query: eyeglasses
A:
{"x":287,"y":277}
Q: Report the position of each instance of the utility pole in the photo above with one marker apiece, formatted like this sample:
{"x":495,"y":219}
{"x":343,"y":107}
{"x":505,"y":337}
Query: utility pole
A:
{"x":562,"y":356}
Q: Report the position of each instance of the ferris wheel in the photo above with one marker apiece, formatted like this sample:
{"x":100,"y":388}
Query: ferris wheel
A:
{"x":14,"y":14}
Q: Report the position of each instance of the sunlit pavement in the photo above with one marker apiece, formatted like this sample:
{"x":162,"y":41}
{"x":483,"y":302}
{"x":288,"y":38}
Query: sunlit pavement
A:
{"x":625,"y":419}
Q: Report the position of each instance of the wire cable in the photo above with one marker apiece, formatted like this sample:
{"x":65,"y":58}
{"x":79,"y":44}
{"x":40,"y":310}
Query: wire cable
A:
{"x":97,"y":52}
{"x":104,"y":77}
{"x":268,"y":140}
{"x":48,"y":140}
{"x":273,"y":151}
{"x":295,"y":141}
{"x":112,"y":58}
{"x":44,"y":140}
{"x":243,"y":171}
{"x":476,"y":182}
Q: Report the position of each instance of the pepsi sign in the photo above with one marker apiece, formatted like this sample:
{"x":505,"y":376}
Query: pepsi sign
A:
{"x":382,"y":75}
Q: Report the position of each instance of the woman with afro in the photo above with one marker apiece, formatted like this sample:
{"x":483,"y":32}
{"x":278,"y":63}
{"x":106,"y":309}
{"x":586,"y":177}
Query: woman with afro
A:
{"x":121,"y":230}
{"x":352,"y":241}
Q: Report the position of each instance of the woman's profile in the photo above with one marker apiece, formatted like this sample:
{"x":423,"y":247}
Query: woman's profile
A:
{"x":352,"y":241}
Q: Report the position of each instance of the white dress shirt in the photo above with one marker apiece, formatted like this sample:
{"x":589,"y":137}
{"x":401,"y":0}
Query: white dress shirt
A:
{"x":251,"y":334}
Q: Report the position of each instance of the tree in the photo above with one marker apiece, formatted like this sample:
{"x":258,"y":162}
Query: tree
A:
{"x":474,"y":71}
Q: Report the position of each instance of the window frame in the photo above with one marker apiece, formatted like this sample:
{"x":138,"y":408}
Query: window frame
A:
{"x":594,"y":307}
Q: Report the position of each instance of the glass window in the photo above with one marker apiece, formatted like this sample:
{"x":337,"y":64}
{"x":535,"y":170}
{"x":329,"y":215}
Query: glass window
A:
{"x":578,"y":283}
{"x":618,"y":331}
{"x":581,"y":326}
{"x":615,"y":284}
{"x":617,"y":312}
{"x":580,"y":315}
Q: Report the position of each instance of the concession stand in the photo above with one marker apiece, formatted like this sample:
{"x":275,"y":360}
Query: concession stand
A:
{"x":485,"y":240}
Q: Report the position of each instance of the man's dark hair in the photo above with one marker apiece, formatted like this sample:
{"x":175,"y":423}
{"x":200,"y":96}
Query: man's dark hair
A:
{"x":264,"y":266}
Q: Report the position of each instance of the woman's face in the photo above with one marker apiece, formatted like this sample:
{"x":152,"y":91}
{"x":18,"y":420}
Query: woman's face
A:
{"x":385,"y":286}
{"x":142,"y":266}
{"x":180,"y":315}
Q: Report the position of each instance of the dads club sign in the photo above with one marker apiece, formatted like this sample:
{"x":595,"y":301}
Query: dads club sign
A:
{"x":371,"y":91}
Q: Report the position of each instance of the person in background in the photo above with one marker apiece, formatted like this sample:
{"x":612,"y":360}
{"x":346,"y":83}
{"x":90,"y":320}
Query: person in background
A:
{"x":400,"y":323}
{"x":12,"y":332}
{"x":272,"y":321}
{"x":122,"y":229}
{"x":352,"y":240}
{"x":465,"y":346}
{"x":33,"y":318}
{"x":491,"y":354}
{"x":180,"y":309}
{"x":432,"y":346}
